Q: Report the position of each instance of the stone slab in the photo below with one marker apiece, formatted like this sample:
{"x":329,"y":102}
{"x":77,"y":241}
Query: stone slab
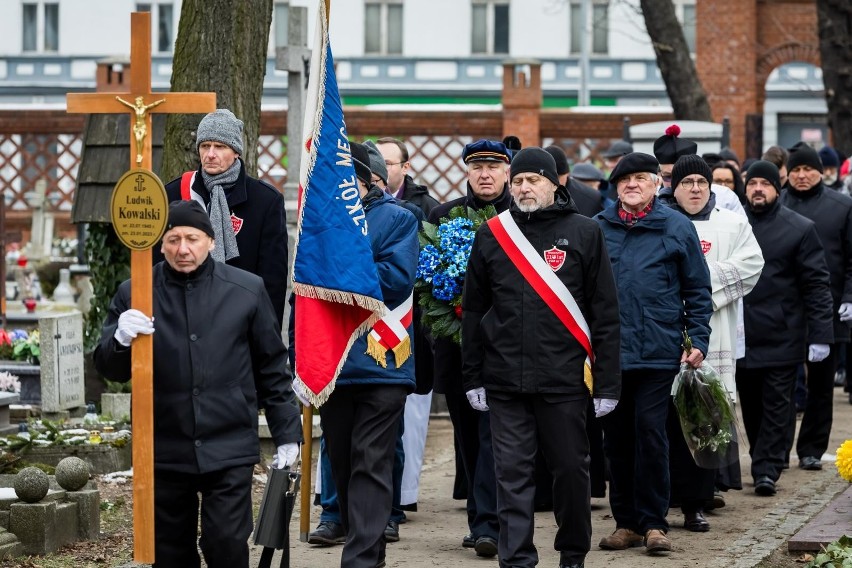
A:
{"x":30,"y":377}
{"x":66,"y":523}
{"x":62,"y":368}
{"x":88,"y":504}
{"x":35,"y":526}
{"x":101,"y":458}
{"x":830,"y":524}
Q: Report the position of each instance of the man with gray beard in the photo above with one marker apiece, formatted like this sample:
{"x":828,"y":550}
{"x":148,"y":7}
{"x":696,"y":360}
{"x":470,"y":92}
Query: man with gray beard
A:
{"x":540,"y":319}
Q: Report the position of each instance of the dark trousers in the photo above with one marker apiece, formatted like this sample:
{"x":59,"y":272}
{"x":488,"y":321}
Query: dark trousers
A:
{"x":519,"y":423}
{"x":226,"y":518}
{"x":637,"y":447}
{"x":360,"y":425}
{"x":692,"y":486}
{"x":472,"y":431}
{"x":816,"y":422}
{"x":766,"y":399}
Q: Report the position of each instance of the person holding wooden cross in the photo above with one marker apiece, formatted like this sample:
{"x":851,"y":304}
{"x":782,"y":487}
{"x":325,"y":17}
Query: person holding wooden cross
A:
{"x":218,"y":356}
{"x":247,"y":213}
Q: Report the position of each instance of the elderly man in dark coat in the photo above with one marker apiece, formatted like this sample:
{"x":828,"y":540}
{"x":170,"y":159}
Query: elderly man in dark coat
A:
{"x":831,"y":213}
{"x":540,"y":319}
{"x":218,"y":355}
{"x":663,"y":289}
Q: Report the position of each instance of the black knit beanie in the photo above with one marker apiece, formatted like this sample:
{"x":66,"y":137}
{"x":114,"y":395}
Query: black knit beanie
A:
{"x":765,"y":170}
{"x":688,"y":165}
{"x":560,"y":158}
{"x":537,"y":161}
{"x":189,"y":213}
{"x":361,"y":161}
{"x":803,"y":155}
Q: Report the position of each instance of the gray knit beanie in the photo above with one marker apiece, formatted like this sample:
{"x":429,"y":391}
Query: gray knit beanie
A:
{"x":221,"y":126}
{"x":377,"y":161}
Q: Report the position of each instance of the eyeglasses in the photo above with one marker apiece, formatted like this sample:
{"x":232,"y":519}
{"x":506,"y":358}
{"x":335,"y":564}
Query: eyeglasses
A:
{"x":728,"y":182}
{"x":666,"y":177}
{"x":688,"y":183}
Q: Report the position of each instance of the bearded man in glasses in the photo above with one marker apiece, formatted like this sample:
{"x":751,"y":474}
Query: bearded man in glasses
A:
{"x":735,"y":262}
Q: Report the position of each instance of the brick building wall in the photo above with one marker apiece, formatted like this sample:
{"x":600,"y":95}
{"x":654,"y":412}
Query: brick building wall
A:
{"x":740,"y":43}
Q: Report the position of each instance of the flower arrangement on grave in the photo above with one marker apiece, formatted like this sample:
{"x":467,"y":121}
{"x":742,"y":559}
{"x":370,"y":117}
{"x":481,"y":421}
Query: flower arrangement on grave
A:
{"x":9,"y":382}
{"x":843,"y":461}
{"x":444,"y":251}
{"x":44,"y":433}
{"x":20,"y":345}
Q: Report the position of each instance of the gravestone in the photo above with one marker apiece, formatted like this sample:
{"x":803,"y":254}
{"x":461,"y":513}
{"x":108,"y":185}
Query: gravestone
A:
{"x":62,"y":372}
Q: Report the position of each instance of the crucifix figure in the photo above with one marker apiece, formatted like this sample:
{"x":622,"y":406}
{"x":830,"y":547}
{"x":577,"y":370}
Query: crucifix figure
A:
{"x":140,"y":127}
{"x":140,"y":260}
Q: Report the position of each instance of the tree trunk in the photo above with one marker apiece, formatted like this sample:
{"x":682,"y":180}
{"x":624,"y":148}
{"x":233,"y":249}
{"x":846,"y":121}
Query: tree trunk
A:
{"x":685,"y":91}
{"x":221,"y":47}
{"x":835,"y":48}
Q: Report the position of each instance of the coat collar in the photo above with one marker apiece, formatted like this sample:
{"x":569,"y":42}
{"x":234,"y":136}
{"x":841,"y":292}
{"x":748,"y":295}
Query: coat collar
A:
{"x":236,"y":195}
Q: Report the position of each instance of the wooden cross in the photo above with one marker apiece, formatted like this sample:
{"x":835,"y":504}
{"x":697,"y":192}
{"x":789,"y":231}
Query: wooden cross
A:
{"x":141,"y":102}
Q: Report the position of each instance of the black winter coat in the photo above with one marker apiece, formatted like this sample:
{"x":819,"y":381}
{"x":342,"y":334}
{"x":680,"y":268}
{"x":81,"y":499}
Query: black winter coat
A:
{"x":258,"y":209}
{"x":587,"y":200}
{"x":418,"y":195}
{"x":447,"y":360}
{"x":832,"y":213}
{"x":791,"y":306}
{"x":511,"y":340}
{"x":218,"y":355}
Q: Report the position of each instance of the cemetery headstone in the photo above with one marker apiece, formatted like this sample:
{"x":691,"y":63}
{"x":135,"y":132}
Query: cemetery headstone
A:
{"x":62,"y":372}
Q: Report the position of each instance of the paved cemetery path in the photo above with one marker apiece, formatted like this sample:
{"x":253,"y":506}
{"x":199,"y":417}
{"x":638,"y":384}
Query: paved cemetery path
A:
{"x":742,"y":534}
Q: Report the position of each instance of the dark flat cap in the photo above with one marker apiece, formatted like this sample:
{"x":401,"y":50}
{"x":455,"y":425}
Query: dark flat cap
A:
{"x":634,"y":163}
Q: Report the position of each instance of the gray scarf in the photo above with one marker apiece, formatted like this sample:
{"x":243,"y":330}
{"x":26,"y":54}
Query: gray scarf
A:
{"x":225,"y":247}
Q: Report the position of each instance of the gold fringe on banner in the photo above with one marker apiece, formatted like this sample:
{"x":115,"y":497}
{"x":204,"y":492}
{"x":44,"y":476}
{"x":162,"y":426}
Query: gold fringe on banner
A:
{"x":376,"y":351}
{"x":587,"y":378}
{"x":402,"y":352}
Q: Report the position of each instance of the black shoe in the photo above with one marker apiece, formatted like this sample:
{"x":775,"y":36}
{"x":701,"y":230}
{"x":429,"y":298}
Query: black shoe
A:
{"x":580,"y":565}
{"x":410,"y":507}
{"x":328,"y":533}
{"x":485,"y":546}
{"x":694,"y":521}
{"x":381,"y":564}
{"x":392,"y":532}
{"x":468,"y":541}
{"x":764,"y":486}
{"x":810,"y":463}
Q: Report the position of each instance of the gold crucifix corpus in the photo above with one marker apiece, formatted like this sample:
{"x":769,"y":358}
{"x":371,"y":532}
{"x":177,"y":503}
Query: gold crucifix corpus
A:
{"x":140,"y":128}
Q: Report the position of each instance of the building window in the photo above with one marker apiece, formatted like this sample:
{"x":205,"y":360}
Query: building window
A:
{"x":281,"y":21}
{"x":40,"y":27}
{"x":163,"y":18}
{"x":600,"y":27}
{"x":688,"y":23}
{"x":490,"y":27}
{"x":383,"y":27}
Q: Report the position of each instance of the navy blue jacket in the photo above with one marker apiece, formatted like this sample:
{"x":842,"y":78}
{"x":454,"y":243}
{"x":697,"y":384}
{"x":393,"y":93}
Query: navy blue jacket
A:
{"x":663,"y":286}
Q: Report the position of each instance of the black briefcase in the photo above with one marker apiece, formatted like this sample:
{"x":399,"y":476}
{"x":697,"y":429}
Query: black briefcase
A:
{"x":272,"y":530}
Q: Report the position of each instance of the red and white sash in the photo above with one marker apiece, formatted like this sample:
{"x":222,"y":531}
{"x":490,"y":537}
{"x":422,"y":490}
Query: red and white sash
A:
{"x":538,"y":273}
{"x":391,"y":333}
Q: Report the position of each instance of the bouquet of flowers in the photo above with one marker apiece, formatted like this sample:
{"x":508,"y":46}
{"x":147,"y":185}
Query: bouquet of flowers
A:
{"x":706,"y":414}
{"x":19,"y":345}
{"x":444,"y":250}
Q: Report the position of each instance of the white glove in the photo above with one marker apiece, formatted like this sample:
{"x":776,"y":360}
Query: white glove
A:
{"x":286,"y":456}
{"x":604,"y":406}
{"x":476,"y":398}
{"x":817,"y":352}
{"x":300,"y":395}
{"x":845,"y":311}
{"x":130,"y":324}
